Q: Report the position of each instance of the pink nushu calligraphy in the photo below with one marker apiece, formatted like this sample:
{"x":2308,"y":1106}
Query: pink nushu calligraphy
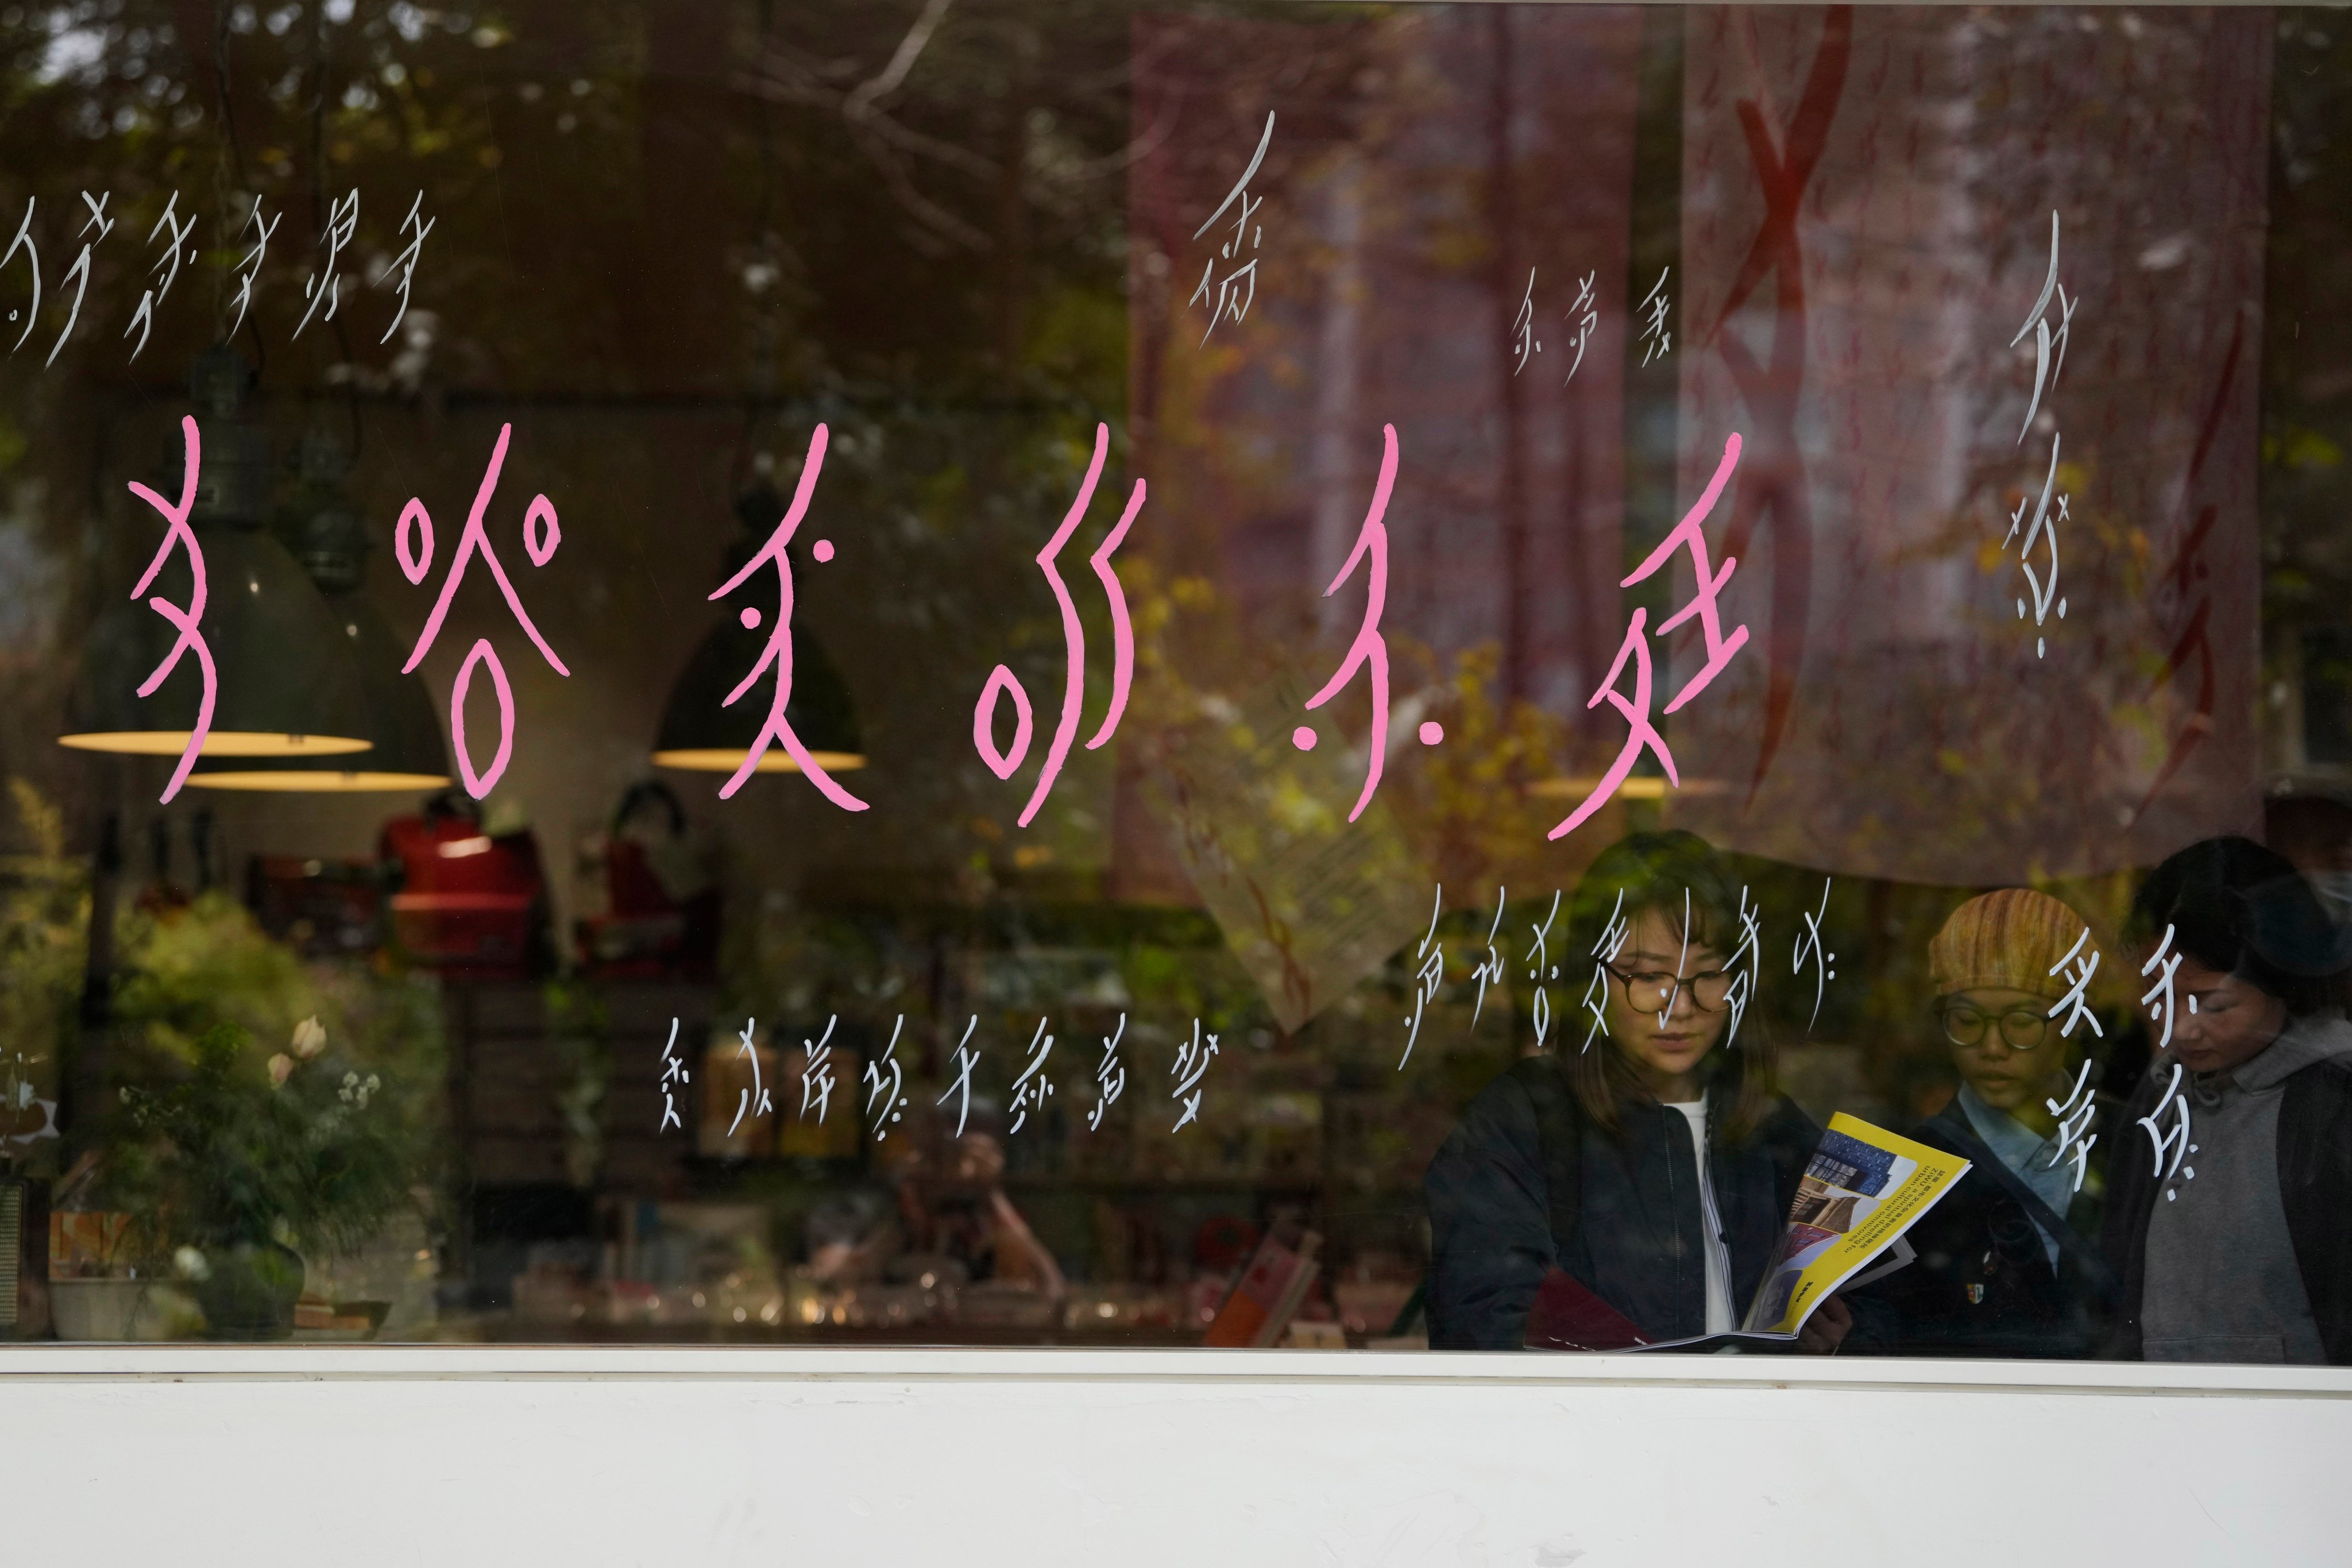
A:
{"x":187,"y":622}
{"x":412,"y":542}
{"x":777,"y":730}
{"x":1001,"y":683}
{"x":1690,"y":534}
{"x":1369,"y":650}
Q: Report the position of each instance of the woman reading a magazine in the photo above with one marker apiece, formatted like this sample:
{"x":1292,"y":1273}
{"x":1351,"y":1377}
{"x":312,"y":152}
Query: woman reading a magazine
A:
{"x":2007,"y":1262}
{"x":1644,"y":1154}
{"x":2231,"y":1177}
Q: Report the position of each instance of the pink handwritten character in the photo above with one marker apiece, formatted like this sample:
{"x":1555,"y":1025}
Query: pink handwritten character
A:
{"x":412,"y":543}
{"x":185,"y":621}
{"x":779,"y":651}
{"x":1369,"y":650}
{"x":1690,"y":534}
{"x":1002,"y":682}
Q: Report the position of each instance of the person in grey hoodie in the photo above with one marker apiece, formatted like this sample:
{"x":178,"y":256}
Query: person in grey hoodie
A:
{"x":2228,"y":1217}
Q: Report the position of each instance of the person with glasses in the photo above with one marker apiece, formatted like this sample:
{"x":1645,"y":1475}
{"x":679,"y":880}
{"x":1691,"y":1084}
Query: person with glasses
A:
{"x":1643,"y":1151}
{"x":2229,"y":1213}
{"x":2007,"y":1263}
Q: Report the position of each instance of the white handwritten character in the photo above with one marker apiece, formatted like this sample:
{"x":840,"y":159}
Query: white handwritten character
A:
{"x":1809,"y":945}
{"x":816,"y":1075}
{"x":1032,"y":1089}
{"x":1540,"y":968}
{"x":405,"y":261}
{"x":24,"y":242}
{"x":2157,"y":998}
{"x":966,"y":1059}
{"x":249,"y":267}
{"x":2073,"y":1118}
{"x":326,"y":289}
{"x":1523,"y":328}
{"x":884,"y":1102}
{"x":2044,"y":531}
{"x":1586,"y":315}
{"x":2076,"y":1004}
{"x":2049,"y":359}
{"x":754,"y":1101}
{"x":2037,"y":322}
{"x":80,"y":271}
{"x":1110,"y":1077}
{"x":1490,"y":968}
{"x":674,"y":1071}
{"x":1605,"y":949}
{"x":166,"y":270}
{"x":1658,"y":341}
{"x":1745,"y":978}
{"x":1430,"y":960}
{"x":1192,"y":1066}
{"x":2175,"y":1142}
{"x":1237,"y":290}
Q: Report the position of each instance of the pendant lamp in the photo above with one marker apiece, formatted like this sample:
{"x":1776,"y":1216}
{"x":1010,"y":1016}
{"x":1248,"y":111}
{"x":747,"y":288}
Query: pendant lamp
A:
{"x":700,"y":732}
{"x":287,"y":684}
{"x":407,"y":754}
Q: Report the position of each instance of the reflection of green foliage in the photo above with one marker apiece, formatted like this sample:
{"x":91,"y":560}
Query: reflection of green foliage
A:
{"x":239,"y":1159}
{"x":203,"y":983}
{"x":44,"y":907}
{"x":579,"y":1027}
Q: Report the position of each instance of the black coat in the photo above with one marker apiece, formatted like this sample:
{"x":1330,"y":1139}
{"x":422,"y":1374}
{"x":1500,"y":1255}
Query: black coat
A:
{"x":1983,"y":1282}
{"x":2314,"y":1176}
{"x":1524,"y":1184}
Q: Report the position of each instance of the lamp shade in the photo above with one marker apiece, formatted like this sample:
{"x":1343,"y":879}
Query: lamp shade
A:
{"x":700,"y":732}
{"x":286,"y":683}
{"x":407,"y":753}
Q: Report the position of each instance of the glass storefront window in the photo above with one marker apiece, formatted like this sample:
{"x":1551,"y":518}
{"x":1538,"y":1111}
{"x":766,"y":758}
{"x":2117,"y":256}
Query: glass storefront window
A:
{"x":1474,"y":677}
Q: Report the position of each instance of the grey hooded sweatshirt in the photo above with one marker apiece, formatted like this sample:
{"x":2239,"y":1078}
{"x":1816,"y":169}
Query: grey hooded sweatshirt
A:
{"x":2223,"y":1282}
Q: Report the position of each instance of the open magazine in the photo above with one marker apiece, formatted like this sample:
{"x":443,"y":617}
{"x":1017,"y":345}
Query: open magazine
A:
{"x":1861,"y":1190}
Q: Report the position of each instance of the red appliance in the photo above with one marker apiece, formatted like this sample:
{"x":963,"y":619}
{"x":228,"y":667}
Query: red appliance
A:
{"x":471,"y":905}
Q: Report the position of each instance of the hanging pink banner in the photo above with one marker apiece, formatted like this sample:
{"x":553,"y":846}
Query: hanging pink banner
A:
{"x":1995,"y":518}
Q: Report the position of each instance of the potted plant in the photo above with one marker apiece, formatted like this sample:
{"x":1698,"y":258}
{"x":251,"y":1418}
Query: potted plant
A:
{"x":251,"y":1163}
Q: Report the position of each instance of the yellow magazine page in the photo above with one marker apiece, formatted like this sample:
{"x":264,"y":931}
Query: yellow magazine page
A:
{"x":1863,"y":1187}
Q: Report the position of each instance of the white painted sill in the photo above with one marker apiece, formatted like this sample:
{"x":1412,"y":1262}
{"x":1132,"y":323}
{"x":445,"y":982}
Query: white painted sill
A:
{"x":180,"y":1362}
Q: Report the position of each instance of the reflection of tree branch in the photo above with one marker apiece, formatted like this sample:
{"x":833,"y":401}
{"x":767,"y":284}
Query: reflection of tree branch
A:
{"x":860,"y":103}
{"x":783,"y":77}
{"x":913,"y":200}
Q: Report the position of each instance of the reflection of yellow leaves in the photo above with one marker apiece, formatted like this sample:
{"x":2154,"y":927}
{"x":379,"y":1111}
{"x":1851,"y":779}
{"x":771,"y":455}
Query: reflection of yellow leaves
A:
{"x":2298,"y":447}
{"x":1953,"y":762}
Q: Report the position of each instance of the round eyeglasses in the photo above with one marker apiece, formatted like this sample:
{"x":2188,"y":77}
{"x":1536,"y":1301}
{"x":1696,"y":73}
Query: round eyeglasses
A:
{"x":2022,"y":1028}
{"x":1653,"y":990}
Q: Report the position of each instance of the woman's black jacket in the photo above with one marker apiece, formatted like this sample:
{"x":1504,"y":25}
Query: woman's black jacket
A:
{"x":1525,"y":1183}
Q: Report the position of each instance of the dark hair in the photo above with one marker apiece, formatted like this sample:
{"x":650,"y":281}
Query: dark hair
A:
{"x":1666,"y":874}
{"x":2236,"y":907}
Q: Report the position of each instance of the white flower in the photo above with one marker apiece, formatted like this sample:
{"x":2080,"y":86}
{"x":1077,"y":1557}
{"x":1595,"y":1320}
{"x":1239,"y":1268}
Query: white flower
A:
{"x":190,"y":1264}
{"x":281,"y":1067}
{"x":309,"y":1038}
